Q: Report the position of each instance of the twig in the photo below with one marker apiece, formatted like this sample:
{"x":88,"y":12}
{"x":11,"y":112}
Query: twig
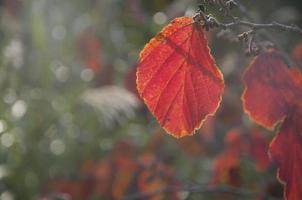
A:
{"x":273,"y":25}
{"x":246,"y":14}
{"x":226,"y":6}
{"x":211,"y":22}
{"x":249,"y":22}
{"x":199,"y":189}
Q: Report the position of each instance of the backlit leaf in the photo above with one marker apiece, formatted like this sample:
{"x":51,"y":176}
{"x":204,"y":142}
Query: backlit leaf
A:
{"x":268,"y":89}
{"x":273,"y":93}
{"x":286,"y":151}
{"x":297,"y":53}
{"x":177,"y":77}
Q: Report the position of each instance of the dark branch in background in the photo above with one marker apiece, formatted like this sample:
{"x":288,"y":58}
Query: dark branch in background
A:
{"x":211,"y":22}
{"x":201,"y":190}
{"x":273,"y":25}
{"x":226,"y":6}
{"x":247,"y":15}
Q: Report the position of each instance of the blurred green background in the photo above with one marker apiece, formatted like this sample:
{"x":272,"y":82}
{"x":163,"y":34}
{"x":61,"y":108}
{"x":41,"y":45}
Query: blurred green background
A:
{"x":67,"y":85}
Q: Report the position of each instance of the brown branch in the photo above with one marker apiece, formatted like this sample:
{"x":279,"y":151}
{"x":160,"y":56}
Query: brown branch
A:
{"x":201,"y":190}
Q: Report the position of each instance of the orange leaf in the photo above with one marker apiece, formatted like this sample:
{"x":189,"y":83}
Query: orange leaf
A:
{"x":269,"y":89}
{"x":286,"y":151}
{"x":177,"y":77}
{"x":297,"y":77}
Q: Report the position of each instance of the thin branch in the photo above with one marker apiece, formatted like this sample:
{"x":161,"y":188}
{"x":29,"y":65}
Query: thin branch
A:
{"x":246,"y":14}
{"x":249,"y":22}
{"x":211,"y":22}
{"x":273,"y":25}
{"x":251,"y":44}
{"x":201,"y":190}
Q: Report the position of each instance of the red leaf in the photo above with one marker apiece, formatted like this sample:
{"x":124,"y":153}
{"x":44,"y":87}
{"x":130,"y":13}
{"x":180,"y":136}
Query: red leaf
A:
{"x":286,"y":151}
{"x":258,"y":148}
{"x":297,"y":78}
{"x":273,"y":93}
{"x":178,"y":79}
{"x":269,"y":89}
{"x":297,"y":53}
